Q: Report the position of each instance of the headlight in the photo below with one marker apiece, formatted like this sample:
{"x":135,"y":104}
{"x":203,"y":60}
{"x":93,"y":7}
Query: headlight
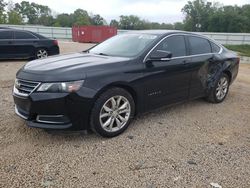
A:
{"x":67,"y":87}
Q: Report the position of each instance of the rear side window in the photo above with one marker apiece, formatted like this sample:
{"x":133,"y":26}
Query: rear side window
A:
{"x":174,"y":44}
{"x":215,"y":47}
{"x":199,"y":45}
{"x":24,"y":35}
{"x":6,"y":34}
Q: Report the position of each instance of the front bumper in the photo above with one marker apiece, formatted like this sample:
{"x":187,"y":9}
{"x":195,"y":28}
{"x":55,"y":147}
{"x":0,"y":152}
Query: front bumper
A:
{"x":56,"y":110}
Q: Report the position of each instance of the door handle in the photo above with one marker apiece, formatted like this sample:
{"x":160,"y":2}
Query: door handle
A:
{"x":186,"y":61}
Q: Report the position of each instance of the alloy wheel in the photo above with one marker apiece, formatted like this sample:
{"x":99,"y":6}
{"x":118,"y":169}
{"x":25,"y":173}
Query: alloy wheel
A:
{"x":115,"y":113}
{"x":222,"y":88}
{"x":42,"y":54}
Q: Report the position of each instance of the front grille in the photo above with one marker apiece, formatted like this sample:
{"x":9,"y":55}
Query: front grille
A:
{"x":24,"y":87}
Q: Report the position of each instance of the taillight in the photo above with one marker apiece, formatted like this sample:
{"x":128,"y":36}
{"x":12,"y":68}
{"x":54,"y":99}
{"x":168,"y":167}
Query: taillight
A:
{"x":55,"y":42}
{"x":238,"y":60}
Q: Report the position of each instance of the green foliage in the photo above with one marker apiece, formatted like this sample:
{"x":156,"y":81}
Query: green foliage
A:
{"x":14,"y":18}
{"x":200,"y":15}
{"x":133,"y":22}
{"x":97,"y":20}
{"x":244,"y":50}
{"x":197,"y":13}
{"x":2,"y":12}
{"x":204,"y":16}
{"x":81,"y":17}
{"x":33,"y":13}
{"x":63,"y":20}
{"x":114,"y":23}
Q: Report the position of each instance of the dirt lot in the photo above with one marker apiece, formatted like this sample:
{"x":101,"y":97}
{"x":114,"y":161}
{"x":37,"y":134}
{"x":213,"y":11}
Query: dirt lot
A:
{"x":189,"y":145}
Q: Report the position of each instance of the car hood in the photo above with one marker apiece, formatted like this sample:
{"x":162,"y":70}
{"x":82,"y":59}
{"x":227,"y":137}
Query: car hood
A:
{"x":66,"y":67}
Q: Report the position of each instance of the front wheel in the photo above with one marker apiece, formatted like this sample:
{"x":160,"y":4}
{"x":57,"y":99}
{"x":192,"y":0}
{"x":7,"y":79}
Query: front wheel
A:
{"x":220,"y":91}
{"x":112,"y":112}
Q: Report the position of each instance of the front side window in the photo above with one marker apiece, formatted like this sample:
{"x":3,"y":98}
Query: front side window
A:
{"x":124,"y":45}
{"x":175,"y":45}
{"x":199,"y":45}
{"x":24,"y":35}
{"x":6,"y":34}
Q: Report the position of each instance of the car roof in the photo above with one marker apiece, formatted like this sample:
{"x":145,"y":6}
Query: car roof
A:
{"x":162,"y":32}
{"x":12,"y":29}
{"x":4,"y":28}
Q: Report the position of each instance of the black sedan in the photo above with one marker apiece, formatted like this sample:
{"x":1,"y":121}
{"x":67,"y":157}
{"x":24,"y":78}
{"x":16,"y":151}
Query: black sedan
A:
{"x":103,"y":88}
{"x":20,"y":44}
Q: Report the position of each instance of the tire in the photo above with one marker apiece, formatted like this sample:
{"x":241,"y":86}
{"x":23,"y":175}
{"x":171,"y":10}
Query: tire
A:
{"x":222,"y":85}
{"x":112,"y":112}
{"x":41,"y":53}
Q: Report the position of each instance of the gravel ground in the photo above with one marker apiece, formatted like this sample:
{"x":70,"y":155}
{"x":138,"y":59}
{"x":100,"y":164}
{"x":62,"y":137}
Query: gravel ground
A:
{"x":188,"y":145}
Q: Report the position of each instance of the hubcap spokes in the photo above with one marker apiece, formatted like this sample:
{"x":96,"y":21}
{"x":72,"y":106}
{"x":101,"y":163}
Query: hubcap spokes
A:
{"x":42,"y":54}
{"x":222,"y":88}
{"x":115,"y":113}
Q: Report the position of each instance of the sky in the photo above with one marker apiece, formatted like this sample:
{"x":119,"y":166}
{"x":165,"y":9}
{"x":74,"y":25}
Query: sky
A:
{"x":167,"y":11}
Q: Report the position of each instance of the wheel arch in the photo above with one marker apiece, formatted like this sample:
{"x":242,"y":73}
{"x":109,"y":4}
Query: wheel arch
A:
{"x":229,"y":74}
{"x":124,"y":86}
{"x":41,"y":47}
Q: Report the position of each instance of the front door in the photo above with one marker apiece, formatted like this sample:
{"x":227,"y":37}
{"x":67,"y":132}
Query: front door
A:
{"x":167,"y":81}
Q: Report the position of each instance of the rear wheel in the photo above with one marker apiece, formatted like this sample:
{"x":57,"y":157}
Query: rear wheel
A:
{"x":41,"y":53}
{"x":220,"y":91}
{"x":112,"y":112}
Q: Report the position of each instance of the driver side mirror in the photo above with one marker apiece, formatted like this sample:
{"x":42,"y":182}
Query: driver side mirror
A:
{"x":160,"y":55}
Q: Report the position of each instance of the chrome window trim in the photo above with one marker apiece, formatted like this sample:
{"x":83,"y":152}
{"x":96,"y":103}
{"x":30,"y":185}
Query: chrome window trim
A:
{"x":180,"y":57}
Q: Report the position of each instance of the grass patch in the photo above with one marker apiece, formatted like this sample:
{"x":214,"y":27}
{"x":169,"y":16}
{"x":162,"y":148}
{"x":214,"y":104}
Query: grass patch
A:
{"x":244,"y":50}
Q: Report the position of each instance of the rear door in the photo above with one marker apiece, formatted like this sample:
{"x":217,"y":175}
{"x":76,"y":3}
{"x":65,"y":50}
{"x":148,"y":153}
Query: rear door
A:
{"x":25,"y":43}
{"x":202,"y":57}
{"x":7,"y":49}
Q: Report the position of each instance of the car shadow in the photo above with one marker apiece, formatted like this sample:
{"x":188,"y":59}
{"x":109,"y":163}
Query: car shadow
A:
{"x":13,"y":60}
{"x":137,"y":123}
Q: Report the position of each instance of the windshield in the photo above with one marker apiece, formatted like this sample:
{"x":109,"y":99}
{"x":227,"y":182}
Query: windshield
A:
{"x":124,"y":45}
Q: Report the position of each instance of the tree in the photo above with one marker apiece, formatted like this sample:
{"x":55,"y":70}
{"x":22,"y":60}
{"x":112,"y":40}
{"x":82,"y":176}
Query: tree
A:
{"x":64,"y":20}
{"x":166,"y":26}
{"x":97,"y":20}
{"x":114,"y":23}
{"x":197,"y":15}
{"x":81,"y":17}
{"x":131,"y":22}
{"x":33,"y":13}
{"x":27,"y":12}
{"x":46,"y":20}
{"x":246,"y":15}
{"x":2,"y":12}
{"x":178,"y":26}
{"x":13,"y":16}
